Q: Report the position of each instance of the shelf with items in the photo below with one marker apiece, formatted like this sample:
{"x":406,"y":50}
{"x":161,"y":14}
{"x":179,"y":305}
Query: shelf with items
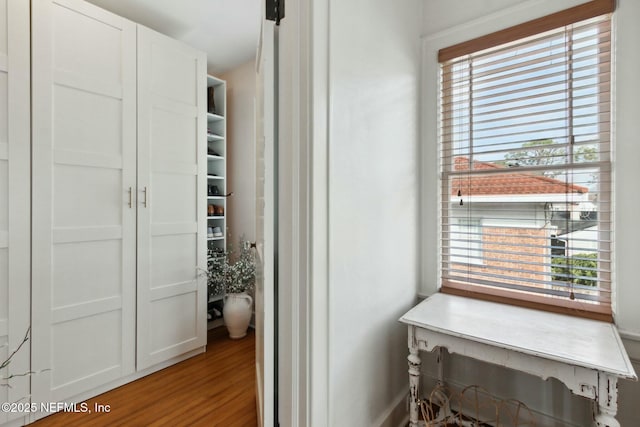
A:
{"x":215,"y":323}
{"x":215,"y":305}
{"x":216,"y":183}
{"x":214,"y":298}
{"x":216,"y":211}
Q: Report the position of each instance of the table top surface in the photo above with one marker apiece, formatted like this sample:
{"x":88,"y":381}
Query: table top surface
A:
{"x":571,"y":340}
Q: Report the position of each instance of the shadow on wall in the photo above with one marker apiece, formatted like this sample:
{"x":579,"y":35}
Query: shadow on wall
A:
{"x":628,"y":398}
{"x":551,"y":403}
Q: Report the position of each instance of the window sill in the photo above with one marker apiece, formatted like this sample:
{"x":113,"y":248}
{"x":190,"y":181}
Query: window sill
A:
{"x":601,"y":312}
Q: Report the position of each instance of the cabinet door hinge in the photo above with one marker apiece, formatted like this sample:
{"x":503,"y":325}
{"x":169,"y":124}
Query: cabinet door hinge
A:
{"x":275,"y":10}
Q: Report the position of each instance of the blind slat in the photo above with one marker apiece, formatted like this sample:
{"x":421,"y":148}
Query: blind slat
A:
{"x":539,"y":64}
{"x":453,"y":107}
{"x":527,"y":283}
{"x":460,"y":114}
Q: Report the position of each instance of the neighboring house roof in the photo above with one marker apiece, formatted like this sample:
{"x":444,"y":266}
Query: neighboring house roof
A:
{"x":507,"y":183}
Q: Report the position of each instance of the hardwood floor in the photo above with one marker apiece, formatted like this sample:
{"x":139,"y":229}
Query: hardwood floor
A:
{"x":214,"y":389}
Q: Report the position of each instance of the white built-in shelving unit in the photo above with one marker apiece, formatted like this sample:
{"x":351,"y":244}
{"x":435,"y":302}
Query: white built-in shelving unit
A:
{"x":216,"y":173}
{"x":216,"y":161}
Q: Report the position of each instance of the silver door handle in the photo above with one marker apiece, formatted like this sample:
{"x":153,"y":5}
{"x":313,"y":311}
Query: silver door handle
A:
{"x":144,"y":203}
{"x":130,"y":197}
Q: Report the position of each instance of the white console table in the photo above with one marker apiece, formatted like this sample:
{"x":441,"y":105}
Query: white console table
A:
{"x":586,"y":355}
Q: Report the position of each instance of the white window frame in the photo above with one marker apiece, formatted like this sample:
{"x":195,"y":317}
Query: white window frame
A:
{"x":430,"y":182}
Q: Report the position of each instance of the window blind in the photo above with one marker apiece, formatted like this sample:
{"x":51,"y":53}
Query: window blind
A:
{"x":525,"y":169}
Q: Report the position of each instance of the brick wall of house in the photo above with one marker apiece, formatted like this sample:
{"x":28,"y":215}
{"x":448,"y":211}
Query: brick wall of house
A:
{"x":493,"y":238}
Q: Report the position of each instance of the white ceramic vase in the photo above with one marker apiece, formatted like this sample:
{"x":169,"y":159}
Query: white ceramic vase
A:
{"x":237,"y":314}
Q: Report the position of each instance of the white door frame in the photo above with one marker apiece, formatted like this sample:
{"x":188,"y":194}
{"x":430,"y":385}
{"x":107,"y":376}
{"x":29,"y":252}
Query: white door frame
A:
{"x":265,"y":222}
{"x":304,"y":94}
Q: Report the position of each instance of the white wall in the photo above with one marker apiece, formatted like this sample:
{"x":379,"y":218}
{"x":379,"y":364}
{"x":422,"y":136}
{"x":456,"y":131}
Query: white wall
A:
{"x":443,"y":25}
{"x":241,"y":152}
{"x":440,"y":15}
{"x":373,"y":208}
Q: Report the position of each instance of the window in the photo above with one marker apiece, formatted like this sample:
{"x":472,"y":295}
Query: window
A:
{"x":525,"y":163}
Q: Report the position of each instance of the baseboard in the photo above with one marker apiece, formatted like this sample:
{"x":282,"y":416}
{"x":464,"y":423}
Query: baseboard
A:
{"x":16,"y":423}
{"x":405,"y":421}
{"x":396,"y":413}
{"x":631,"y":341}
{"x":216,"y":323}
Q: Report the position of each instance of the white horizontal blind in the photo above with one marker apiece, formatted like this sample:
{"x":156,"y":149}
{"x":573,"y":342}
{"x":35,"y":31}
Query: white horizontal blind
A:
{"x":525,"y":168}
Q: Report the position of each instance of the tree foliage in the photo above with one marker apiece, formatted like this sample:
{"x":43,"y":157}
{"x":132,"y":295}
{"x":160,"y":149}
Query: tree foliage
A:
{"x":576,"y":269}
{"x":545,"y":152}
{"x":539,"y":152}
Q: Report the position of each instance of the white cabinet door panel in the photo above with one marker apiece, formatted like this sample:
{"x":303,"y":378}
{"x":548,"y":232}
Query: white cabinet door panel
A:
{"x":84,"y":180}
{"x":14,"y":200}
{"x":172,"y":199}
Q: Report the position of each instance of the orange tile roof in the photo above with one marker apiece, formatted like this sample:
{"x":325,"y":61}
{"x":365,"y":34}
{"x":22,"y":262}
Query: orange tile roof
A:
{"x":507,"y":183}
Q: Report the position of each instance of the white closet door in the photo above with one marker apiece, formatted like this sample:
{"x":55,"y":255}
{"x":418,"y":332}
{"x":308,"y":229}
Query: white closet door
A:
{"x":84,"y":165}
{"x":14,"y":199}
{"x":172,"y":198}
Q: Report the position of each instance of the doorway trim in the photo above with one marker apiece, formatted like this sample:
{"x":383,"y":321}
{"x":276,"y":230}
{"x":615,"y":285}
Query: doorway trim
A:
{"x":304,"y":121}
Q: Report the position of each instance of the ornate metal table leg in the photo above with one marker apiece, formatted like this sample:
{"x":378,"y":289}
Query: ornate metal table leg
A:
{"x":414,"y":386}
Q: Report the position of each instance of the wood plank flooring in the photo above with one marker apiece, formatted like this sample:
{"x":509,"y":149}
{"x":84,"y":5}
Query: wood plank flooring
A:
{"x":215,"y":389}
